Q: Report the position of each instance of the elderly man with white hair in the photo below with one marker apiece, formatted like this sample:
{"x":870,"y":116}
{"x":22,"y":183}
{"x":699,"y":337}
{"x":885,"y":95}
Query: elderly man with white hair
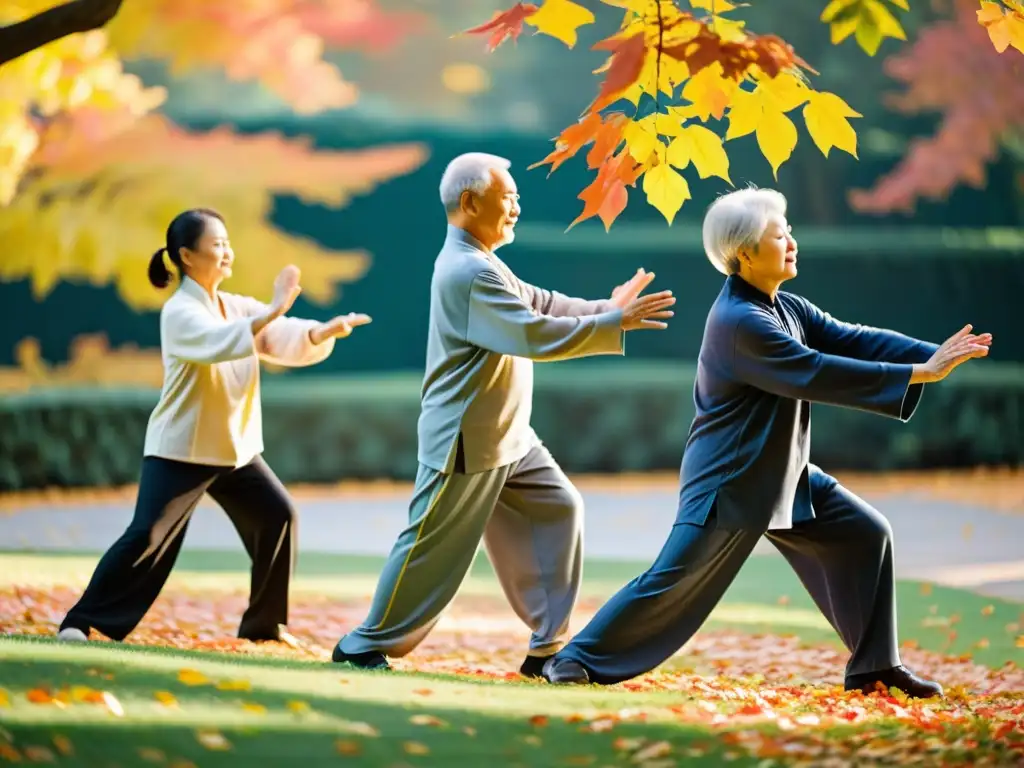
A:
{"x":765,"y":357}
{"x":483,"y":472}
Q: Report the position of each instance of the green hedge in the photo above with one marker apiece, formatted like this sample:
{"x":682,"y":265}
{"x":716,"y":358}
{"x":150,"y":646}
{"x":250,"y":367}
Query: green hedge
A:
{"x":603,"y":416}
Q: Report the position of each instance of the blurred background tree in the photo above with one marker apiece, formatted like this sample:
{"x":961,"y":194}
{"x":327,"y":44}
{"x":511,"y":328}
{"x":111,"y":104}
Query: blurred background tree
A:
{"x":91,"y":172}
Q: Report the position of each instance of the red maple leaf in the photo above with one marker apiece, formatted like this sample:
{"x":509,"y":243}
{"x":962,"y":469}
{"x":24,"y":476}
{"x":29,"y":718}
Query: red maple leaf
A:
{"x":504,"y":24}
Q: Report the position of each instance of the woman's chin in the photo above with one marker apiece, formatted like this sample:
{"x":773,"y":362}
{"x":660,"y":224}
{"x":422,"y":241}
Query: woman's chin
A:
{"x":225,"y":273}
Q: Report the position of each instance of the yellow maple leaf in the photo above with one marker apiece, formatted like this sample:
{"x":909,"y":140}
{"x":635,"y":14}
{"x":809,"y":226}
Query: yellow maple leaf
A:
{"x":744,"y":114}
{"x":870,"y":21}
{"x":640,"y":140}
{"x":707,"y":153}
{"x":560,"y":19}
{"x":776,"y":136}
{"x":677,"y":153}
{"x":666,"y":190}
{"x":712,"y":6}
{"x":709,"y":92}
{"x":762,"y":112}
{"x":826,"y":118}
{"x":1005,"y":27}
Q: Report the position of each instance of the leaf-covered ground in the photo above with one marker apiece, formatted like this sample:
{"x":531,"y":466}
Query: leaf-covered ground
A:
{"x":761,"y":683}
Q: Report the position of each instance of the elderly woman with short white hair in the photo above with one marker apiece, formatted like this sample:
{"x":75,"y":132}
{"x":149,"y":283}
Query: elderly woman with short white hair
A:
{"x":765,"y":357}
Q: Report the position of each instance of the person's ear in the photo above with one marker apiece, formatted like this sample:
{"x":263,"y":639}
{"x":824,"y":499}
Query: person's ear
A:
{"x":468,"y":203}
{"x":186,"y":256}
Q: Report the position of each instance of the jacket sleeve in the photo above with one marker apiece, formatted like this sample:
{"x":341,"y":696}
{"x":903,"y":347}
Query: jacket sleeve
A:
{"x":559,"y":305}
{"x":284,"y":340}
{"x":501,"y":322}
{"x":189,"y":332}
{"x":768,"y":358}
{"x":835,"y":337}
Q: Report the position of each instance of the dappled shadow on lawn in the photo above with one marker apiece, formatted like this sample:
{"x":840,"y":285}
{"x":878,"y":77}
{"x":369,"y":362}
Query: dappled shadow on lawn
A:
{"x":103,"y":704}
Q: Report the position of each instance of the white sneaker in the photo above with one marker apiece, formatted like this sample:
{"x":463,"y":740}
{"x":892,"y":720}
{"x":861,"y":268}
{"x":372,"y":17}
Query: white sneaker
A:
{"x":72,"y":635}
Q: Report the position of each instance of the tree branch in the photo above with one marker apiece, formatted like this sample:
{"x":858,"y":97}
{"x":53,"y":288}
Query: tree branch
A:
{"x":36,"y":31}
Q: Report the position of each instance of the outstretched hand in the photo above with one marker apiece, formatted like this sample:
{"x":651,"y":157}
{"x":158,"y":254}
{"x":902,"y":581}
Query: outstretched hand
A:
{"x":338,"y":327}
{"x":642,"y":312}
{"x":956,"y":350}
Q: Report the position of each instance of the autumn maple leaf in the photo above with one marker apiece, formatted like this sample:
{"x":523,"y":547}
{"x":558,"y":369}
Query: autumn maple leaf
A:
{"x":627,"y":62}
{"x":504,"y":24}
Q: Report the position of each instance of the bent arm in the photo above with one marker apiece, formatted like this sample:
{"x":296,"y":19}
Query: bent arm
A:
{"x":768,"y":358}
{"x":285,"y":340}
{"x":190,"y":333}
{"x":862,"y":342}
{"x":500,"y":322}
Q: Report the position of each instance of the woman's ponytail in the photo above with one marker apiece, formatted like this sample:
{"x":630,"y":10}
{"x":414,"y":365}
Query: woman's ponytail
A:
{"x":159,"y":275}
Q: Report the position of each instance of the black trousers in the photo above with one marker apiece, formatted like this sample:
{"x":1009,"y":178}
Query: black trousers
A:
{"x":844,"y":557}
{"x":131,"y":574}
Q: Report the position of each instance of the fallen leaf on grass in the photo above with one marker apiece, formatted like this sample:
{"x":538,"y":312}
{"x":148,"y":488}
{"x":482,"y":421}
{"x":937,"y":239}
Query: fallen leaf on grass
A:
{"x":39,"y":696}
{"x":63,"y":745}
{"x":9,"y":753}
{"x":423,"y":692}
{"x":213,"y":740}
{"x":192,"y":677}
{"x":5,"y":699}
{"x":469,"y":730}
{"x":347,"y":747}
{"x":37,"y":754}
{"x":298,"y":707}
{"x":254,"y":708}
{"x":415,"y":748}
{"x":532,"y":739}
{"x":112,"y":704}
{"x":427,"y":720}
{"x":539,"y":720}
{"x":234,"y":685}
{"x":151,"y":755}
{"x":653,"y":751}
{"x":359,"y":729}
{"x":166,"y":698}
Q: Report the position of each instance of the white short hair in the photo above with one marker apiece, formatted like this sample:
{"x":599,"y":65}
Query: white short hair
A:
{"x":737,"y":220}
{"x":470,"y":171}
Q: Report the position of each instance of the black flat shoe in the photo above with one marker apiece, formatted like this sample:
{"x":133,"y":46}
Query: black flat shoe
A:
{"x":565,"y":672}
{"x":533,"y":666}
{"x":896,"y":677}
{"x":367,"y":660}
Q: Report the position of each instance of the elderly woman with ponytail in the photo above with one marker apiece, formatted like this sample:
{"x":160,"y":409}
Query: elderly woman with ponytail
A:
{"x":205,"y":435}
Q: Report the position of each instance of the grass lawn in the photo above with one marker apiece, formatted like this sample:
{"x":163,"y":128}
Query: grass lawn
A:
{"x":725,"y":700}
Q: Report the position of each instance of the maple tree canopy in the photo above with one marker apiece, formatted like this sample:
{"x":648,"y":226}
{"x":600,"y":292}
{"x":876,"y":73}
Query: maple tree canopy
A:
{"x":688,"y":62}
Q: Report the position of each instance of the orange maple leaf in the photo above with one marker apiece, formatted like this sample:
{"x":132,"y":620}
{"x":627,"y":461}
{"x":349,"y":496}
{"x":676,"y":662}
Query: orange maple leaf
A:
{"x":504,"y":24}
{"x":770,"y":53}
{"x":627,"y":63}
{"x":605,"y":133}
{"x":606,"y":196}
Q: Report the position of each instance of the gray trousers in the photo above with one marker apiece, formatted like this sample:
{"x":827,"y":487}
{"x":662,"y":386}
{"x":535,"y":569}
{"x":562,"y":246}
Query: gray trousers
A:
{"x":530,"y":518}
{"x":844,"y":557}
